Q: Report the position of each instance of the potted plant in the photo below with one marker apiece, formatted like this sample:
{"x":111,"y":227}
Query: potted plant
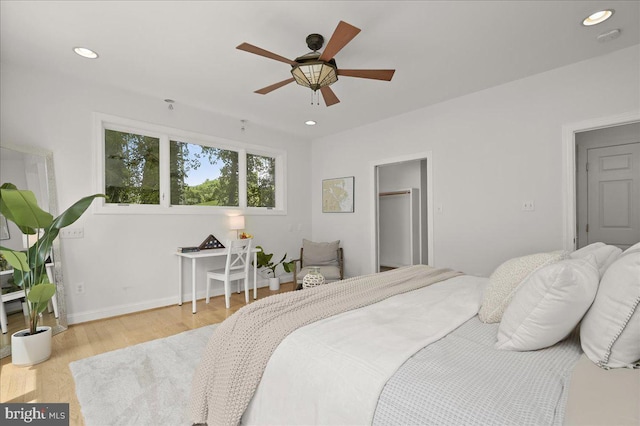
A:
{"x":33,"y":345}
{"x":269,"y":267}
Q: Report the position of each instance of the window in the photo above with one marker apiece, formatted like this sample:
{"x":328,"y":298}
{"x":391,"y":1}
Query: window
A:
{"x":152,"y":169}
{"x":132,"y":173}
{"x":203,"y":175}
{"x":261,"y":181}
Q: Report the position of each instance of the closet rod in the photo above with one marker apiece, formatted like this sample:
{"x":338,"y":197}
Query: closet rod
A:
{"x":384,"y":194}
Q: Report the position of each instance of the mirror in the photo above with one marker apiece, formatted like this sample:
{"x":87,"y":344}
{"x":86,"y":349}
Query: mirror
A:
{"x":32,"y":169}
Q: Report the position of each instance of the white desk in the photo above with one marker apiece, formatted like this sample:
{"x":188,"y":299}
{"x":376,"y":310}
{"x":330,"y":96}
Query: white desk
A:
{"x":194,"y":256}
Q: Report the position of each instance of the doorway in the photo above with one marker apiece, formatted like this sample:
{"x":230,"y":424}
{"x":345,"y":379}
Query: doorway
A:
{"x":608,"y":186}
{"x":402,"y":220}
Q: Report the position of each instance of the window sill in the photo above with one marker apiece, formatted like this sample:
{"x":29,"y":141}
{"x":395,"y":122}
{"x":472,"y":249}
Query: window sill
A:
{"x":185,"y":210}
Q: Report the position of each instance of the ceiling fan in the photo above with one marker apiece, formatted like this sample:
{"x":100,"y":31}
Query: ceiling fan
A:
{"x":319,"y":70}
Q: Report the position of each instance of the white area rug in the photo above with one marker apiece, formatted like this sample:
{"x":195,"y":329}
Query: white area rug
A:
{"x":145,"y":384}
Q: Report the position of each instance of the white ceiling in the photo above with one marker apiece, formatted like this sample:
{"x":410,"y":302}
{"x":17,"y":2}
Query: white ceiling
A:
{"x":185,"y":50}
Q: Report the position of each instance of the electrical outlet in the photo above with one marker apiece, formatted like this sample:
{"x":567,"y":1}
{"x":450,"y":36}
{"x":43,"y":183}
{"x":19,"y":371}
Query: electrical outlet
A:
{"x":528,"y":206}
{"x":80,"y":288}
{"x":72,"y":233}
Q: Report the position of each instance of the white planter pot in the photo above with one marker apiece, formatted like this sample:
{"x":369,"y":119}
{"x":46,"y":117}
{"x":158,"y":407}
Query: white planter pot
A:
{"x":274,"y":284}
{"x":30,"y":349}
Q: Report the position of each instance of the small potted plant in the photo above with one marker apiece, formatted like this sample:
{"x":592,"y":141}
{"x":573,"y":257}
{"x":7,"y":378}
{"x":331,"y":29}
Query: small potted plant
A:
{"x":33,"y":345}
{"x":269,"y":267}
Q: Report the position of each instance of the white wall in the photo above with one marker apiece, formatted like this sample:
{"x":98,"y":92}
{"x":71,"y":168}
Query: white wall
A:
{"x":126,"y":262}
{"x":491,"y":150}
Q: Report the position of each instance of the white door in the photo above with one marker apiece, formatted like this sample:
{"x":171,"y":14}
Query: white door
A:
{"x":613,"y":181}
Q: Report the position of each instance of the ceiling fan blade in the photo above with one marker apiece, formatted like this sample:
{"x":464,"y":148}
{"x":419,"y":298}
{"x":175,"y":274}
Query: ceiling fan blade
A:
{"x":275,"y":86}
{"x":329,"y":97}
{"x":258,"y":51}
{"x":386,"y":75}
{"x":343,"y":34}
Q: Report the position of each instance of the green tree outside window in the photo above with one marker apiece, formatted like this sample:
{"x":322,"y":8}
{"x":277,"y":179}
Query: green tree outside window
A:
{"x":261,"y":181}
{"x":132,"y":168}
{"x":188,"y":158}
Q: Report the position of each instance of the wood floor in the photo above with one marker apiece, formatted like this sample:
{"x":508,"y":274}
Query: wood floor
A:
{"x":51,"y":381}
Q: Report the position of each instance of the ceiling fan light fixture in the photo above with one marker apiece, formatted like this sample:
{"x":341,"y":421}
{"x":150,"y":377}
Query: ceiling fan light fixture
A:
{"x":315,"y":74}
{"x":597,"y":17}
{"x":318,"y":71}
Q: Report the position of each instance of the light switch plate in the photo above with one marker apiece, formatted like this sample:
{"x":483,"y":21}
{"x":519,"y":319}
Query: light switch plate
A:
{"x":72,"y":233}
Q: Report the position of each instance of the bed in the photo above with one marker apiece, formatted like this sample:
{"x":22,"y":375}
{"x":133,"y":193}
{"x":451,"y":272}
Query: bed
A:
{"x":420,"y":345}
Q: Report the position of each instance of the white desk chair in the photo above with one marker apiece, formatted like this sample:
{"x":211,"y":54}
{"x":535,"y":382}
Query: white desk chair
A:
{"x":236,"y":268}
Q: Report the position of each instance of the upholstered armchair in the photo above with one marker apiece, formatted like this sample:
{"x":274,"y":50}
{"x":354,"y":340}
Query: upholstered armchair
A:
{"x":328,"y":256}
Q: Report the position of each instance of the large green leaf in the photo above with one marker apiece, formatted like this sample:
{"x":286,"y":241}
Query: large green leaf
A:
{"x":20,"y":207}
{"x":17,"y":259}
{"x":289,"y":266}
{"x":40,"y":296}
{"x":39,"y":252}
{"x":263,"y":258}
{"x":73,"y":213}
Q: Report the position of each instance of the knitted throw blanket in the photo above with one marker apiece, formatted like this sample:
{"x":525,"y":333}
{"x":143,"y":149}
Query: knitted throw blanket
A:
{"x":237,"y":353}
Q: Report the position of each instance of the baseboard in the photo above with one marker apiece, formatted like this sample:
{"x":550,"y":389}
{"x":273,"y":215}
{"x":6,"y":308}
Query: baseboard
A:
{"x":114,"y":311}
{"x":79,"y":317}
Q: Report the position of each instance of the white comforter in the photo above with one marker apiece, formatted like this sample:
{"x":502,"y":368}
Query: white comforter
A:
{"x":332,"y":371}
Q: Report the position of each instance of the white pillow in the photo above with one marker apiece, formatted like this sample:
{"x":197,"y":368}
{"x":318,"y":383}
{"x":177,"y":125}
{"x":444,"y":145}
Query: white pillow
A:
{"x":505,"y":280}
{"x":610,"y":331}
{"x":590,"y":247}
{"x":549,"y":305}
{"x":604,"y":254}
{"x":634,"y":247}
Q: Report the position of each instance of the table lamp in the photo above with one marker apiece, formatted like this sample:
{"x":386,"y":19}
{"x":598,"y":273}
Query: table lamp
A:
{"x":236,"y":223}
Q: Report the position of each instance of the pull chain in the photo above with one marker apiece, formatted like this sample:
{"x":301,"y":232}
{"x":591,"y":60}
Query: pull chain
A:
{"x":317,"y":96}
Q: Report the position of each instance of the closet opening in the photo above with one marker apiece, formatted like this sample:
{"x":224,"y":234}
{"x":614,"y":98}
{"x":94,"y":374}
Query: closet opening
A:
{"x":402,"y":223}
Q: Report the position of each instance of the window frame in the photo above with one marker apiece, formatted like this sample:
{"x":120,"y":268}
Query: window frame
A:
{"x":165,"y":134}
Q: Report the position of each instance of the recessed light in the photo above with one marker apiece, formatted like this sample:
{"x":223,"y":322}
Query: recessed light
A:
{"x":310,"y":123}
{"x":597,"y":17}
{"x":85,"y":52}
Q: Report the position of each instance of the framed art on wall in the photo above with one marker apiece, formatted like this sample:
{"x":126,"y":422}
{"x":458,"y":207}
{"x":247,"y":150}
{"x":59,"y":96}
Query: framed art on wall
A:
{"x":337,"y":195}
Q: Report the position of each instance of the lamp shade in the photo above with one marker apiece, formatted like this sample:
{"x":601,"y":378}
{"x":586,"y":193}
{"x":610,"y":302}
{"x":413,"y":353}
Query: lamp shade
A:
{"x":313,"y":73}
{"x":28,"y":240}
{"x":236,"y":222}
